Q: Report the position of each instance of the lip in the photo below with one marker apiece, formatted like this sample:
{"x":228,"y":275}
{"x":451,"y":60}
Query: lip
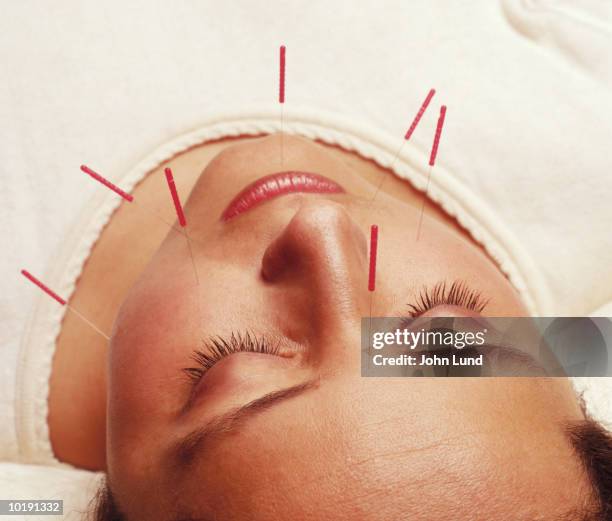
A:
{"x":275,"y":185}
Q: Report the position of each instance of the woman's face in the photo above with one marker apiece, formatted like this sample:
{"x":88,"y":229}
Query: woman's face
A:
{"x":290,"y":430}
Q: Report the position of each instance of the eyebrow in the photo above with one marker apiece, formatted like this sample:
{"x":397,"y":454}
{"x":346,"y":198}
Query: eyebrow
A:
{"x":182,"y":452}
{"x":508,"y":353}
{"x":527,"y":360}
{"x":516,"y":355}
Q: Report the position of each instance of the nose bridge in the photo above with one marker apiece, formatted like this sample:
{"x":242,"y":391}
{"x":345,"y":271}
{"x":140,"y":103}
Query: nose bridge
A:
{"x":322,"y":251}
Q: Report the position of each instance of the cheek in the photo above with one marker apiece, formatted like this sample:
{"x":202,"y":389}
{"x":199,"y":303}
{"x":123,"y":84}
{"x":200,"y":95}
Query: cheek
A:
{"x":442,"y":255}
{"x":154,"y":334}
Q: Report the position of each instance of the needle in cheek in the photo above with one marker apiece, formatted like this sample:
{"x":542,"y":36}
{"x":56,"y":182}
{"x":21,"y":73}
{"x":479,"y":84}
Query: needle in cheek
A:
{"x":434,"y":148}
{"x":432,"y":162}
{"x":44,"y":287}
{"x":407,"y":136}
{"x":107,"y":183}
{"x":183,"y":222}
{"x":128,"y":197}
{"x":281,"y":96}
{"x":62,"y":301}
{"x":175,"y":197}
{"x":281,"y":86}
{"x":372,"y":270}
{"x":373,"y":253}
{"x":420,"y":113}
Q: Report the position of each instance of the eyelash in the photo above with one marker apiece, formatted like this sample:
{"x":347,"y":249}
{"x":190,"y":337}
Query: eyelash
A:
{"x":457,"y":294}
{"x":217,"y":348}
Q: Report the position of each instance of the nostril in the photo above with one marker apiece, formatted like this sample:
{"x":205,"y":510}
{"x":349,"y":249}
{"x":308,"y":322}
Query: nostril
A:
{"x":321,"y":237}
{"x":275,"y":261}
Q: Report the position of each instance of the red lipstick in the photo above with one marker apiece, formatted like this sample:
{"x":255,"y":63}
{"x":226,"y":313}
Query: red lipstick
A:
{"x":275,"y":185}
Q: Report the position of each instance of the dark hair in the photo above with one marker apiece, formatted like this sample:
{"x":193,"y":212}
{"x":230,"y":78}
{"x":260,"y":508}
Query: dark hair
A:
{"x":593,"y":445}
{"x":590,"y":440}
{"x":105,"y":508}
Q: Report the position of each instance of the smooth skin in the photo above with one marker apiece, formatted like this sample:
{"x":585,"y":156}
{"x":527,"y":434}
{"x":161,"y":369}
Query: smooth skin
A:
{"x":295,"y":269}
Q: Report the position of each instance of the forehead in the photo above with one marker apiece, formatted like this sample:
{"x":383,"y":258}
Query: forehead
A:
{"x":338,"y":452}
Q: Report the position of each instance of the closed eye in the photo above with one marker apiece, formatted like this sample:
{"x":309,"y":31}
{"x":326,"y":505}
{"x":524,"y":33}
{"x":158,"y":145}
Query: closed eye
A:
{"x":456,"y":294}
{"x":217,"y":348}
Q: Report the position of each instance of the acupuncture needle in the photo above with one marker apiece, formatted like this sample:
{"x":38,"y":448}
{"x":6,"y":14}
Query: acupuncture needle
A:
{"x":131,"y":199}
{"x":281,"y":97}
{"x":62,"y":301}
{"x":407,"y":136}
{"x":178,"y":208}
{"x":183,"y":223}
{"x":432,"y":161}
{"x":372,"y":274}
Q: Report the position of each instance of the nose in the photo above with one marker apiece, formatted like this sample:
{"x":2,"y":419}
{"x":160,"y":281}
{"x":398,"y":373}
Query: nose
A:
{"x":319,"y":265}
